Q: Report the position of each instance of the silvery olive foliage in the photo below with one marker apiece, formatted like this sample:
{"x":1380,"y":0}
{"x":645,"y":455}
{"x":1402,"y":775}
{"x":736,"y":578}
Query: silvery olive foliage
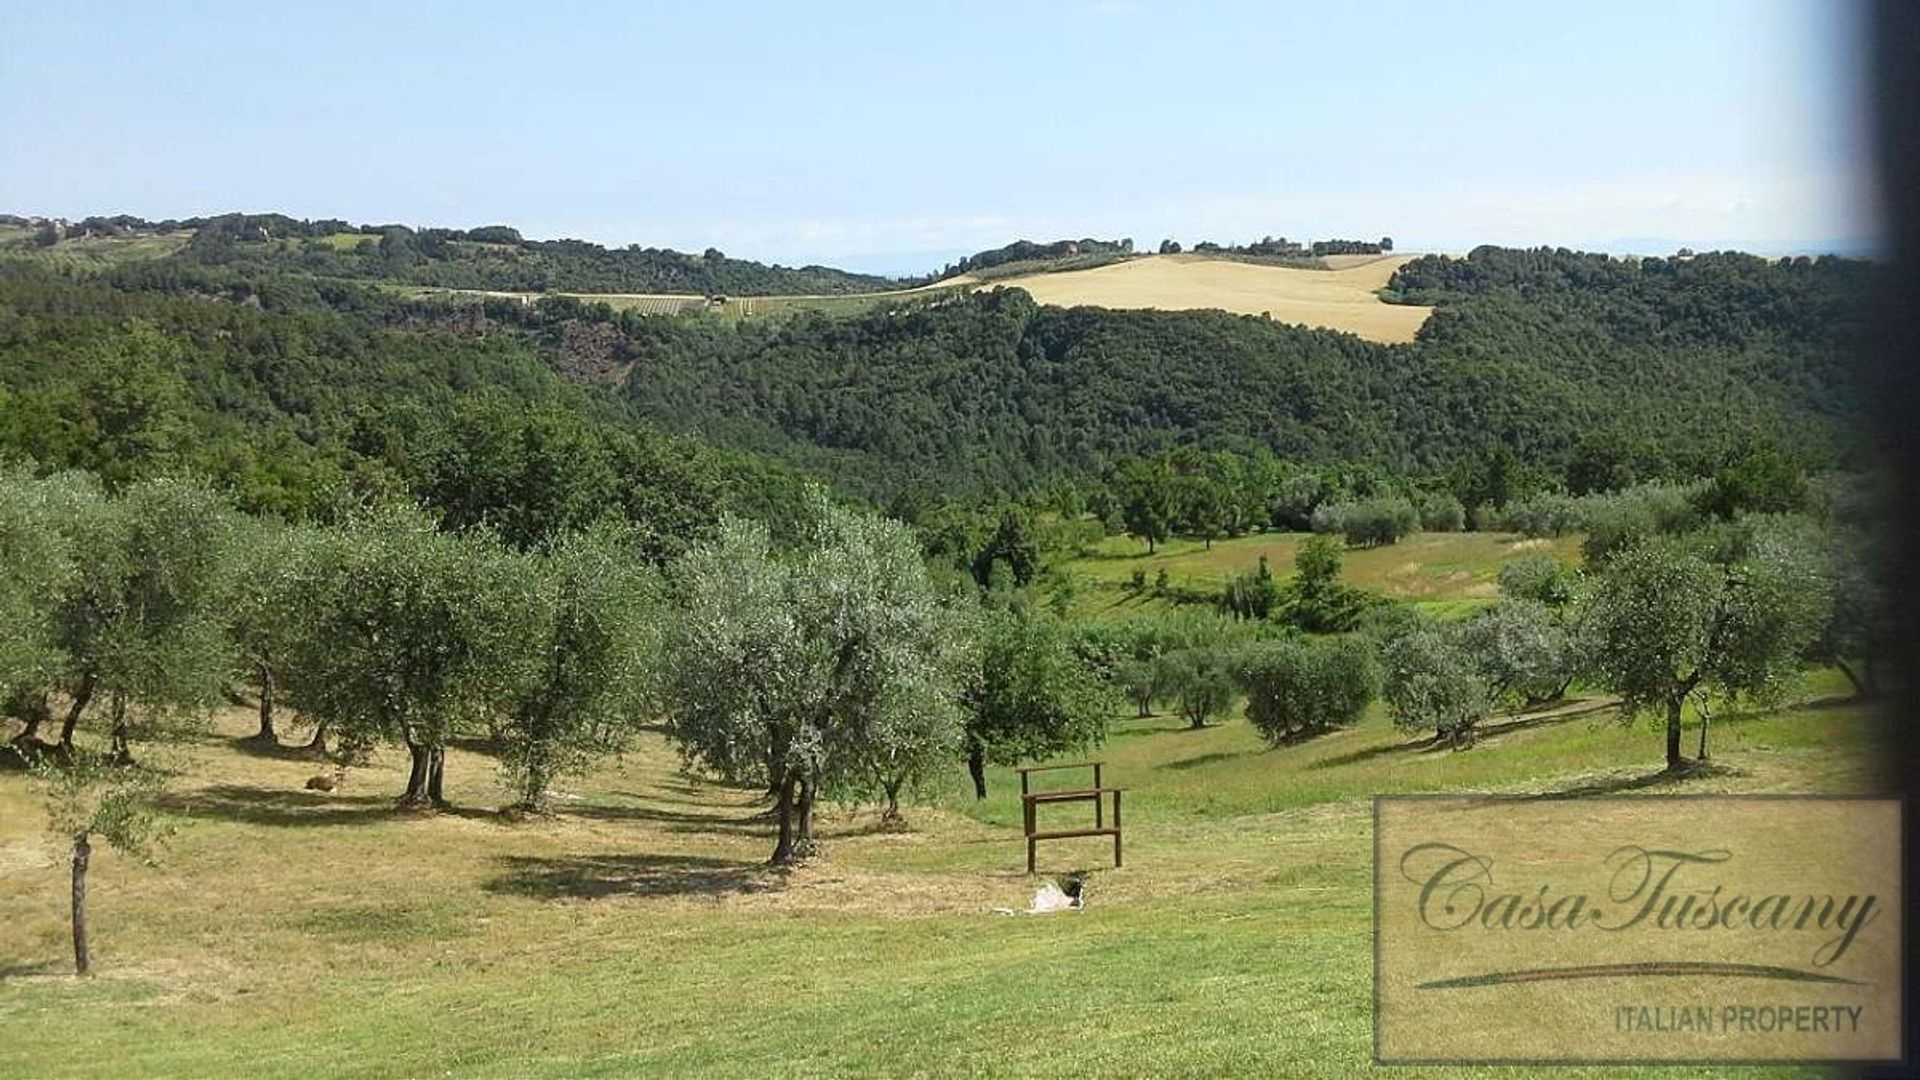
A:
{"x":410,"y":635}
{"x":1722,"y":615}
{"x":832,"y":667}
{"x":1521,"y":651}
{"x":273,"y":575}
{"x":1300,"y":687}
{"x":1430,"y":683}
{"x":140,"y":621}
{"x":36,"y":570}
{"x":589,"y":631}
{"x":114,"y":598}
{"x":1200,"y":680}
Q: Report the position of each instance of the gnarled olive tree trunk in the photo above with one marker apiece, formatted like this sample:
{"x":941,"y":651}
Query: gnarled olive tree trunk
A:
{"x":783,"y":812}
{"x":425,"y":777}
{"x":267,"y":733}
{"x":81,"y":698}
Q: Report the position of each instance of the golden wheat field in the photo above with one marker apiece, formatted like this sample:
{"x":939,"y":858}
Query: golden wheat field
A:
{"x":1341,"y":298}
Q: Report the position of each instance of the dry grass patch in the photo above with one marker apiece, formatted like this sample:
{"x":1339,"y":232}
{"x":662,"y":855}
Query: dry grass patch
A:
{"x":290,"y":933}
{"x":1340,"y":298}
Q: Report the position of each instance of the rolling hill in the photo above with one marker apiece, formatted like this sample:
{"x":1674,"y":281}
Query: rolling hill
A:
{"x":1342,"y":297}
{"x":496,"y":262}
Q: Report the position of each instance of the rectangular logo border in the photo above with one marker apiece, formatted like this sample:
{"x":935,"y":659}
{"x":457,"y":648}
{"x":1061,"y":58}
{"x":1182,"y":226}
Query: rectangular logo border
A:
{"x":1904,"y":1060}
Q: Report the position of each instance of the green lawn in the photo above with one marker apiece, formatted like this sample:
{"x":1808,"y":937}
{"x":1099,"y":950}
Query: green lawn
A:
{"x":292,"y":934}
{"x":1442,"y":573}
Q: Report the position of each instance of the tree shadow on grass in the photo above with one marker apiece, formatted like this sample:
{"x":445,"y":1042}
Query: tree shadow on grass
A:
{"x":255,"y":746}
{"x":720,"y":824}
{"x":43,"y":968}
{"x":692,"y":821}
{"x":1141,"y":726}
{"x":1206,"y":759}
{"x":1368,"y":753}
{"x":1434,"y":743}
{"x":285,"y":809}
{"x":1663,"y":778}
{"x":592,"y":877}
{"x":483,"y":745}
{"x":1551,"y":714}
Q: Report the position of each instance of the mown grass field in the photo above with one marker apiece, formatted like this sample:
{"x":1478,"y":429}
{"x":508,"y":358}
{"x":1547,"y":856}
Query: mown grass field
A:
{"x":1444,"y":574}
{"x":288,"y":933}
{"x":1342,"y":298}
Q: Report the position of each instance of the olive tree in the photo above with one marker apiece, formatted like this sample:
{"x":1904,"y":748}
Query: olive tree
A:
{"x":1430,"y":684}
{"x":1373,"y":522}
{"x":140,"y":623}
{"x":1201,"y":682}
{"x":1300,"y":687}
{"x":1542,"y":579}
{"x":130,"y":612}
{"x":588,"y":634}
{"x":1521,"y":652}
{"x":88,"y":795}
{"x":1858,"y":627}
{"x":828,"y":667}
{"x":414,"y":635}
{"x":272,"y":572}
{"x":36,"y":570}
{"x":1704,"y":616}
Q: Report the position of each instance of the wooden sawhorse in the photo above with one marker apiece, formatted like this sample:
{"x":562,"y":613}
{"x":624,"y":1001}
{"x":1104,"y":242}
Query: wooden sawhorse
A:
{"x":1097,"y":795}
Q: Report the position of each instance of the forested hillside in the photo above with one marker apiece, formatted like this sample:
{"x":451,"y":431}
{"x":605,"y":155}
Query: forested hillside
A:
{"x":491,"y":257}
{"x":1685,"y":362}
{"x":303,"y":402}
{"x":291,"y":388}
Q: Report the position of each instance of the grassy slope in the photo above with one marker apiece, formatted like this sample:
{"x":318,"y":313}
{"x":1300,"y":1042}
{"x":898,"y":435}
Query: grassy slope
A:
{"x":1443,"y":573}
{"x":290,"y":933}
{"x":90,"y":253}
{"x":1340,"y":296}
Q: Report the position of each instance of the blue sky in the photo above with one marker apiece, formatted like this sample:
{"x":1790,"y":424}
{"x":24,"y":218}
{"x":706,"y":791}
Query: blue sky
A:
{"x":894,"y":136}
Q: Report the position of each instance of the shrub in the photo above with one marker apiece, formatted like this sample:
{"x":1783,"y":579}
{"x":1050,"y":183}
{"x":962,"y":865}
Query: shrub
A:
{"x":1441,"y":512}
{"x":1328,"y":518}
{"x":1378,"y":521}
{"x":1611,"y":520}
{"x":1620,"y":519}
{"x":1549,"y":513}
{"x":1431,"y":684}
{"x":1200,"y":680}
{"x":1302,"y":687}
{"x":1542,"y":579}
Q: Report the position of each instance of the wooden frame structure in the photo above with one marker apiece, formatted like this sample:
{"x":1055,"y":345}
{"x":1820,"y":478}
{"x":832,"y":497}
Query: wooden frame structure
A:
{"x":1097,"y":795}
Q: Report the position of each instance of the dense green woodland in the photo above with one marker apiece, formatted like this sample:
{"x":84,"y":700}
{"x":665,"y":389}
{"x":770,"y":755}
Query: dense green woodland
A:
{"x":1685,"y":362}
{"x":490,"y":257}
{"x":304,"y":405}
{"x":295,"y":392}
{"x":1027,"y":251}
